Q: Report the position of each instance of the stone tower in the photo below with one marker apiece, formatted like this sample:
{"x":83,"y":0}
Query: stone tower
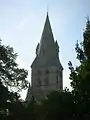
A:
{"x":46,"y":69}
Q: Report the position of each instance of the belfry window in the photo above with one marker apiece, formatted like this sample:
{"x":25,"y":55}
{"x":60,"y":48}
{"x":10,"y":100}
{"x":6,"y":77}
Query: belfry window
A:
{"x":57,"y":80}
{"x":46,"y":81}
{"x":57,"y":72}
{"x":47,"y":71}
{"x":39,"y":72}
{"x":39,"y":82}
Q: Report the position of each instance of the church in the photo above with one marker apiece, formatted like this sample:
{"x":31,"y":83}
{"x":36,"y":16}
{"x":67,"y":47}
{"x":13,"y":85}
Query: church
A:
{"x":46,"y":69}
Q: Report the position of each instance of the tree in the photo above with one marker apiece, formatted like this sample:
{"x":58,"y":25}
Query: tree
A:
{"x":3,"y":95}
{"x":12,"y":80}
{"x":31,"y":110}
{"x":11,"y":76}
{"x":17,"y":110}
{"x":80,"y":76}
{"x":58,"y":105}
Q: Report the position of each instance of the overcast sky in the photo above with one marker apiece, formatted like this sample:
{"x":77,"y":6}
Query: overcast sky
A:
{"x":22,"y":22}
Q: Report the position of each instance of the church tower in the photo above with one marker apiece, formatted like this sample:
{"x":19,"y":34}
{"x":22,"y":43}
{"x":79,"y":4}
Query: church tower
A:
{"x":46,"y":69}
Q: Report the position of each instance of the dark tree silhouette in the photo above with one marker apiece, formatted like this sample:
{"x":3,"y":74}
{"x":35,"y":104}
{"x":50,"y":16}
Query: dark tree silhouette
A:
{"x":11,"y":76}
{"x":12,"y":80}
{"x":80,"y":76}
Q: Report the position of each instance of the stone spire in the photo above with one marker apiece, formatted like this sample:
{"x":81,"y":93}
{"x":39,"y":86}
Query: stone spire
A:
{"x":47,"y":51}
{"x":47,"y":40}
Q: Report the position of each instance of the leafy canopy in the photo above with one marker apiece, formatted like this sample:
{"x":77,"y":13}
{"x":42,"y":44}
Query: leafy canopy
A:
{"x":11,"y":76}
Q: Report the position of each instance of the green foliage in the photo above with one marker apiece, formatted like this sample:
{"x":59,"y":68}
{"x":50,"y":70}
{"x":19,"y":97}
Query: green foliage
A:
{"x":3,"y":95}
{"x":12,"y":79}
{"x":31,"y":109}
{"x":57,"y":105}
{"x":17,"y":110}
{"x":86,"y":42}
{"x":80,"y":76}
{"x":10,"y":75}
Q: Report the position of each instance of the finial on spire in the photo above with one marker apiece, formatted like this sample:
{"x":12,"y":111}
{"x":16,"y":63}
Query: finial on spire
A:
{"x":47,"y":7}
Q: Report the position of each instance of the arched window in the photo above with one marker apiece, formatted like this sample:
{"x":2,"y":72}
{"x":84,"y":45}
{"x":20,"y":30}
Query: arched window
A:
{"x":46,"y":81}
{"x":61,"y":74}
{"x":47,"y":71}
{"x":39,"y":82}
{"x":57,"y":80}
{"x":39,"y":72}
{"x":57,"y":72}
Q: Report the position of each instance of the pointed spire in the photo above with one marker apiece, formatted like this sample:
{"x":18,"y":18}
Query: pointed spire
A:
{"x":47,"y":25}
{"x":47,"y":51}
{"x":47,"y":39}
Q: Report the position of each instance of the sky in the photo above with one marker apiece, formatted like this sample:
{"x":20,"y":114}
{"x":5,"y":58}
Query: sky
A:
{"x":22,"y":22}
